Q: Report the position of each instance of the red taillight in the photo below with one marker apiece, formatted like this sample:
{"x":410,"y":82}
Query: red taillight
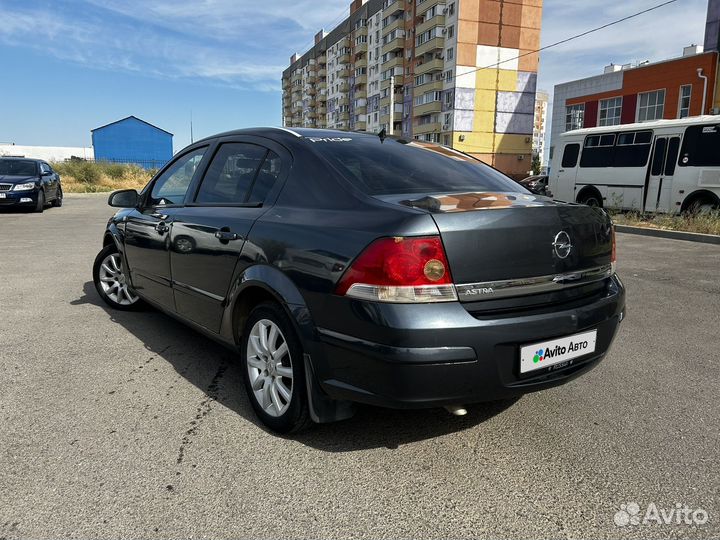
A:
{"x":613,"y":257}
{"x":412,"y":269}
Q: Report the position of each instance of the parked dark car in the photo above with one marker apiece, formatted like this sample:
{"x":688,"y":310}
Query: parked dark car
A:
{"x":29,"y":183}
{"x":537,"y":184}
{"x":347,"y":267}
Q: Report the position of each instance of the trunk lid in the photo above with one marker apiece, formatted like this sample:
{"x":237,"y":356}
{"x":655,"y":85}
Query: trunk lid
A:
{"x":503,"y":236}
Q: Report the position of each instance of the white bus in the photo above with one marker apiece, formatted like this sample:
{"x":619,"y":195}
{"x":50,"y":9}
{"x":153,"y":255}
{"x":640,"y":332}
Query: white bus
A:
{"x":662,"y":166}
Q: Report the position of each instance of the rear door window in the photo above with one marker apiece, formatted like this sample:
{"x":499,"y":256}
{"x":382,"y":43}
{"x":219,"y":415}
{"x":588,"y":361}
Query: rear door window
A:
{"x":397,"y":166}
{"x":240,"y":173}
{"x":700,"y":146}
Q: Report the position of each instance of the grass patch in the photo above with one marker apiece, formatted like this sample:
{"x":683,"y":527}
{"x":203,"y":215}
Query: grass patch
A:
{"x":706,"y":223}
{"x":79,"y":176}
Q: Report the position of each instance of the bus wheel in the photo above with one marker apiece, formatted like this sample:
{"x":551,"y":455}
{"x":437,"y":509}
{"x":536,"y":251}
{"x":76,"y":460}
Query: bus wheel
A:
{"x":590,"y":198}
{"x":702,"y":204}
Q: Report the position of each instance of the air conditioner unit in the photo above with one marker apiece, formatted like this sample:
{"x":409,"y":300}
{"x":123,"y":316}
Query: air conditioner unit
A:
{"x":446,"y":127}
{"x":444,"y":31}
{"x":445,"y":10}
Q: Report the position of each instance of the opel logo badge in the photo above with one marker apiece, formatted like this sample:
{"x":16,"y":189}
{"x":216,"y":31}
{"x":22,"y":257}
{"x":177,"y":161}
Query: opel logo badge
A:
{"x":562,"y":245}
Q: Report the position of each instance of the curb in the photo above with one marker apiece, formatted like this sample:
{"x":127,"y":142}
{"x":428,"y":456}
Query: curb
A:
{"x":674,"y":235}
{"x":71,"y":195}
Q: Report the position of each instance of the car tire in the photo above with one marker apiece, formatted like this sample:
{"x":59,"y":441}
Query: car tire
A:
{"x":40,"y":205}
{"x":58,"y":202}
{"x":273,"y":369}
{"x":111,"y":283}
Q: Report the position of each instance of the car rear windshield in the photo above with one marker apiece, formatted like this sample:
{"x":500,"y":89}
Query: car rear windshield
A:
{"x":17,"y":167}
{"x":396,"y":166}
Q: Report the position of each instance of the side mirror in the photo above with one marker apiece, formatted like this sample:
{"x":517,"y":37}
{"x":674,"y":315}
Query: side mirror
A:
{"x":125,"y":198}
{"x":46,"y":173}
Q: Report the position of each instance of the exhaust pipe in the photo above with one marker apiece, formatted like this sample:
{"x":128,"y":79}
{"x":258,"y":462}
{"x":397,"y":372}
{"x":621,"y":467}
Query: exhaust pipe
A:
{"x":456,"y":410}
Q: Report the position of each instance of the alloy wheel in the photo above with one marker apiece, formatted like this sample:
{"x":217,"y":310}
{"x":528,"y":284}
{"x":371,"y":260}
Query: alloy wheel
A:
{"x":113,"y":281}
{"x":269,"y":367}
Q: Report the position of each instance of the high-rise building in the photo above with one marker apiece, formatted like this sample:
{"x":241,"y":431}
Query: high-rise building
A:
{"x":540,"y":124}
{"x":458,"y":72}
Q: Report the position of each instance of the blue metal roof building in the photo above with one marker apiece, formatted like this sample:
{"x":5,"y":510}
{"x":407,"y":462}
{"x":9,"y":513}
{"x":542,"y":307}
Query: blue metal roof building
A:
{"x":132,"y":140}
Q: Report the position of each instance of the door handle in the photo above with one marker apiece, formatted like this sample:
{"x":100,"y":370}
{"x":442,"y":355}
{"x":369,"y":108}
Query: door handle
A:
{"x":226,"y":236}
{"x":162,"y":227}
{"x":159,"y":216}
{"x":561,"y":170}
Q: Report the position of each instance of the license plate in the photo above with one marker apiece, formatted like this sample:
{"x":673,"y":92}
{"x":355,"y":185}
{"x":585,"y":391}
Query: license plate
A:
{"x":556,"y":351}
{"x":2,"y":195}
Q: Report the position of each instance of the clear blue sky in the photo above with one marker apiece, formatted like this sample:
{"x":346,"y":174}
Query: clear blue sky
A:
{"x":71,"y":65}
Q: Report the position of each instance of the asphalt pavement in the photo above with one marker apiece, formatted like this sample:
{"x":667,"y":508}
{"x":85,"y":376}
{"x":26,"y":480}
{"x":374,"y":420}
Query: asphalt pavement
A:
{"x":119,"y":425}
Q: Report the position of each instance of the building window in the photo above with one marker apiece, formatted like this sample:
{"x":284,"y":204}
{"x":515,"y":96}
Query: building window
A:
{"x":448,"y":75}
{"x":450,"y":54}
{"x":574,"y":117}
{"x":610,"y":109}
{"x":451,"y":8}
{"x":450,"y":32}
{"x":651,"y":106}
{"x":685,"y":95}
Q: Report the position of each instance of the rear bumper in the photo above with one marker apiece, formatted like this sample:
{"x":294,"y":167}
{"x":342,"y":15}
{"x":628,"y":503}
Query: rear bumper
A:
{"x":440,"y":354}
{"x":19,"y":198}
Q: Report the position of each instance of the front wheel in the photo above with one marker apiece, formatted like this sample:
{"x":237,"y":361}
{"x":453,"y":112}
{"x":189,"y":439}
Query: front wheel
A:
{"x":58,"y":202}
{"x":273,"y":369}
{"x":40,"y":205}
{"x":111,"y":282}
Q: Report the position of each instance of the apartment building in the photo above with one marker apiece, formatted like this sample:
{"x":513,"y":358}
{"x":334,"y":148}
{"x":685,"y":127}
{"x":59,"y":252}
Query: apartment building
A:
{"x":540,"y":123}
{"x":458,"y":72}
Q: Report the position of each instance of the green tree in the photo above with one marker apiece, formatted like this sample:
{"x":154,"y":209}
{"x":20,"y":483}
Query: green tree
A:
{"x":536,"y":164}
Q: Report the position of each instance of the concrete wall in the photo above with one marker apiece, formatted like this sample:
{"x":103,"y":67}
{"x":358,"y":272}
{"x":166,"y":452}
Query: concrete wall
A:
{"x":48,"y":153}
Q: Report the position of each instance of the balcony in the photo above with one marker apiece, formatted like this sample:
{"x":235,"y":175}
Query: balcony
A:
{"x":343,"y":88}
{"x":311,"y":77}
{"x":344,"y":58}
{"x":386,"y":100}
{"x":322,"y":110}
{"x":396,"y":61}
{"x":322,"y":59}
{"x":436,"y":64}
{"x":322,"y":72}
{"x":360,"y":79}
{"x":362,"y":31}
{"x":343,"y":73}
{"x":344,"y":116}
{"x":394,"y":45}
{"x":286,"y":84}
{"x":429,"y":46}
{"x":321,"y":84}
{"x":399,"y":81}
{"x":311,"y":113}
{"x":427,"y":108}
{"x":361,"y":47}
{"x":397,"y":23}
{"x":385,"y":118}
{"x":360,"y":60}
{"x":361,"y":110}
{"x":429,"y":87}
{"x":432,"y":127}
{"x":311,"y":91}
{"x":342,"y":101}
{"x":392,"y":7}
{"x":437,"y":20}
{"x":360,"y":126}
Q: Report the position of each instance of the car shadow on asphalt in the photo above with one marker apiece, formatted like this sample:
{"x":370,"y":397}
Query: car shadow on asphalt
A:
{"x":216,"y":372}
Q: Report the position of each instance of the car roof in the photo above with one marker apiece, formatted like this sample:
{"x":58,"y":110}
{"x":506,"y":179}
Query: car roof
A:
{"x":281,"y":133}
{"x":18,"y":158}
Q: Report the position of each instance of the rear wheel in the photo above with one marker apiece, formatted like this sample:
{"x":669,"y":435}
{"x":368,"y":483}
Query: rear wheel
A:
{"x":40,"y":205}
{"x":110,"y":281}
{"x":702,"y":205}
{"x":272,"y":359}
{"x":58,"y":202}
{"x":590,"y":198}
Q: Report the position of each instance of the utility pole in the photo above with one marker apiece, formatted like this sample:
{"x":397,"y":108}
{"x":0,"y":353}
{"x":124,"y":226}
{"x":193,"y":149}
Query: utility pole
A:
{"x":391,"y":129}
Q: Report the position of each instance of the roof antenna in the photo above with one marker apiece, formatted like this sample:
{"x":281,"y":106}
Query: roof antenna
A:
{"x":382,"y":135}
{"x":192,"y":139}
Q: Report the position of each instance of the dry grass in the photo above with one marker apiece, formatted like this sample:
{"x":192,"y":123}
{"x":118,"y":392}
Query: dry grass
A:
{"x":707,"y":223}
{"x":80,"y":176}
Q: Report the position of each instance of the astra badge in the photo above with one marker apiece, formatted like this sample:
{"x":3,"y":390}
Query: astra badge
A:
{"x":562,"y":245}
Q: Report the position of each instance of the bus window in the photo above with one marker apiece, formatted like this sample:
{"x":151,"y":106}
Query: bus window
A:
{"x":598,"y":151}
{"x":633,"y":149}
{"x":658,"y":157}
{"x":700,"y":147}
{"x":570,"y":156}
{"x":672,"y":156}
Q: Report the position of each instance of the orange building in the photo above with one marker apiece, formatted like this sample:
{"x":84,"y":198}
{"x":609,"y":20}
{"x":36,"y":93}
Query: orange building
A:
{"x":625,"y":94}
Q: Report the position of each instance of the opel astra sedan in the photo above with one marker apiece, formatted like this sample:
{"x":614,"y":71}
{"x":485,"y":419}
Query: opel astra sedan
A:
{"x":355,"y":268}
{"x":29,"y":183}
